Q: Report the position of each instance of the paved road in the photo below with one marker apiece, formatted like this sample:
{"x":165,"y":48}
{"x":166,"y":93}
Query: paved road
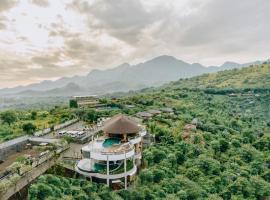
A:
{"x":13,"y":142}
{"x":78,"y":126}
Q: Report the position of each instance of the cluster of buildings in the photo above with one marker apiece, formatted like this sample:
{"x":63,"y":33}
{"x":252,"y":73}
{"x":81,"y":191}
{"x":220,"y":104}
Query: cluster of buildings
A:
{"x":114,"y":156}
{"x":151,"y":113}
{"x":85,"y":101}
{"x":73,"y":134}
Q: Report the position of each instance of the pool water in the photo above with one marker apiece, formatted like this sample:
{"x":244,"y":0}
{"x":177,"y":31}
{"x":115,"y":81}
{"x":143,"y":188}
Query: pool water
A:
{"x":110,"y":142}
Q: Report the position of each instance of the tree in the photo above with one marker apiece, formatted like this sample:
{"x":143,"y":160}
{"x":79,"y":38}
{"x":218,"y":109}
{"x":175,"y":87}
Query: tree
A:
{"x":158,"y":175}
{"x":91,"y":116}
{"x":193,"y":173}
{"x":215,"y":146}
{"x":9,"y":117}
{"x":180,"y":157}
{"x":158,"y":155}
{"x":73,"y":104}
{"x":224,"y":145}
{"x":148,"y":157}
{"x":146,"y":176}
{"x":172,"y":160}
{"x":182,"y":195}
{"x":43,"y":191}
{"x":29,"y":128}
{"x":34,"y":115}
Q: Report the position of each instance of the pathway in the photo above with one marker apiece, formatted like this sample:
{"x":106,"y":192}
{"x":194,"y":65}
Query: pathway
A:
{"x":27,"y":178}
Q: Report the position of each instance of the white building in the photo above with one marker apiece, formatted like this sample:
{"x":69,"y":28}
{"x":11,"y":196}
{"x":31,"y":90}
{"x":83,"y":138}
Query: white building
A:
{"x":114,"y":156}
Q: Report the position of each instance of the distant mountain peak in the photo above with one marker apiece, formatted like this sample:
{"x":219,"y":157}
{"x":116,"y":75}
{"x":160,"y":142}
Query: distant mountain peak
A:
{"x":154,"y":72}
{"x":230,"y":64}
{"x":124,"y":65}
{"x":72,"y":85}
{"x":163,"y":58}
{"x":197,"y":64}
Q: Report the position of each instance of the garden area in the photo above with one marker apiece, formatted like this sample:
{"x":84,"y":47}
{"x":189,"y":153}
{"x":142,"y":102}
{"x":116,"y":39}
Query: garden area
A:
{"x":15,"y":123}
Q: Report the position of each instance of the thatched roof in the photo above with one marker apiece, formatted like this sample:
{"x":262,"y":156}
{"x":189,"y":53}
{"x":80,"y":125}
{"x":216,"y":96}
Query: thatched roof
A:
{"x":121,"y":124}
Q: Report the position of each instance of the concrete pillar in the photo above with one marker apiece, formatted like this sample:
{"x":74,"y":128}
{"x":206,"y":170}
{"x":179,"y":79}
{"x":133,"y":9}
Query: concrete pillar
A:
{"x":108,"y":171}
{"x":125,"y":167}
{"x":125,"y":137}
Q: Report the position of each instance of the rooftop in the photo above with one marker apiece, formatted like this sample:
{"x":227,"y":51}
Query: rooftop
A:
{"x":144,"y":114}
{"x":121,"y":124}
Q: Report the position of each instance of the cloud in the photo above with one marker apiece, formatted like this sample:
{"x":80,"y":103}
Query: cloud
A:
{"x":7,"y":4}
{"x":2,"y":23}
{"x":214,"y":31}
{"x":91,"y":54}
{"x":41,"y":3}
{"x":57,"y":29}
{"x":124,"y":20}
{"x":74,"y":36}
{"x":21,"y":70}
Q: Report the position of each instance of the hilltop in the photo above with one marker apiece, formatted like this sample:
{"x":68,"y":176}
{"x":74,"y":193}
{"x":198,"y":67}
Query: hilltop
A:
{"x":255,"y":76}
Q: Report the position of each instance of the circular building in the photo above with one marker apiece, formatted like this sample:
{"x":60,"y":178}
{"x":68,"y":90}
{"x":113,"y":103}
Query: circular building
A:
{"x":115,"y":154}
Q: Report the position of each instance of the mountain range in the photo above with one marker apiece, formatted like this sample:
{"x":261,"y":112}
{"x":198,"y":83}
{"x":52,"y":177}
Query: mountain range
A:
{"x":125,"y":77}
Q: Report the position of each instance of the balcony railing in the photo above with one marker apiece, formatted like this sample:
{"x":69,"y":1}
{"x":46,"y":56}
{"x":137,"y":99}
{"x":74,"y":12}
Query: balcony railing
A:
{"x":132,"y":171}
{"x":114,"y":150}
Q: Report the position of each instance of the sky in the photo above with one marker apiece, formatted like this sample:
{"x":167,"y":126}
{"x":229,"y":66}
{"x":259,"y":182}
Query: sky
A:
{"x":49,"y":39}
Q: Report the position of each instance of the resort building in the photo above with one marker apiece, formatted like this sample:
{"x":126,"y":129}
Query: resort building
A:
{"x":144,"y":115}
{"x":167,"y":110}
{"x":154,"y":112}
{"x":86,"y":101}
{"x":115,"y":156}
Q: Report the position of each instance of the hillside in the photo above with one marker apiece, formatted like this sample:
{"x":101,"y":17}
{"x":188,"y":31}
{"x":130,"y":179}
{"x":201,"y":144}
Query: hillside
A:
{"x":125,"y":77}
{"x":211,"y":147}
{"x":255,"y":76}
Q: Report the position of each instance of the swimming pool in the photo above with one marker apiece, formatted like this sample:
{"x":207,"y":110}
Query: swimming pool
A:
{"x":110,"y":142}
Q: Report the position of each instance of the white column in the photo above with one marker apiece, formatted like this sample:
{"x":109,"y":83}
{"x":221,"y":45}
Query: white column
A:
{"x":125,"y":167}
{"x":108,"y":171}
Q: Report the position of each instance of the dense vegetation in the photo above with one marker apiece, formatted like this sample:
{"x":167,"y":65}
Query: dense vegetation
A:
{"x":14,"y":123}
{"x":257,"y":76}
{"x":224,"y":154}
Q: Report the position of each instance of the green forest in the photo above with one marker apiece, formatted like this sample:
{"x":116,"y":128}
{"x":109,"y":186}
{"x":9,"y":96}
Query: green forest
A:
{"x":215,"y":145}
{"x":255,"y":76}
{"x":15,"y":123}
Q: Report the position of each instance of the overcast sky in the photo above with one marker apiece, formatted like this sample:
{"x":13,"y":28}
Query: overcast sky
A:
{"x":48,"y":39}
